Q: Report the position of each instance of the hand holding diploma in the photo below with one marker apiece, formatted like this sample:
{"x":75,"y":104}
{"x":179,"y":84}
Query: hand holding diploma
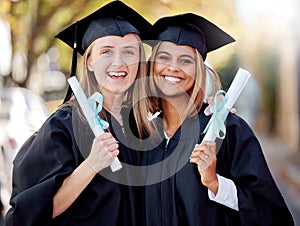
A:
{"x":204,"y":154}
{"x":95,"y":123}
{"x":216,"y":125}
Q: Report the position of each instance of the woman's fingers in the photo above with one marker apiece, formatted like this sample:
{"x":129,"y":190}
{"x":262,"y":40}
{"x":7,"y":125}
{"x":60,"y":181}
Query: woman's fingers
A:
{"x":197,"y":157}
{"x":207,"y":147}
{"x":114,"y":153}
{"x":210,"y":147}
{"x":104,"y":150}
{"x":204,"y":155}
{"x":203,"y":152}
{"x":210,"y":101}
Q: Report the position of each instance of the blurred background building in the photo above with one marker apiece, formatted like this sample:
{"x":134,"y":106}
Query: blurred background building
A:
{"x":267,"y":45}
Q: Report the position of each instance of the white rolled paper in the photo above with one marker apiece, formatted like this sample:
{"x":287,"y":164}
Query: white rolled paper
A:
{"x":236,"y":87}
{"x":88,"y":113}
{"x":234,"y":91}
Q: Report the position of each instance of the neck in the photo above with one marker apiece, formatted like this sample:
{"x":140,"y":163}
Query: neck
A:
{"x":174,"y":114}
{"x":113,"y":104}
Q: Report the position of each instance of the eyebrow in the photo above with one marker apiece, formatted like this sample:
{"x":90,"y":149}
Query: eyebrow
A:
{"x":193,"y":57}
{"x":106,"y":47}
{"x":130,"y":47}
{"x":123,"y":47}
{"x":136,"y":49}
{"x":160,"y":52}
{"x":184,"y":55}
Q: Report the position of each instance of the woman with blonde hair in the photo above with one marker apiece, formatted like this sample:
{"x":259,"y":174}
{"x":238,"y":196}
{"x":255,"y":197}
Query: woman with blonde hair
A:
{"x":61,"y":174}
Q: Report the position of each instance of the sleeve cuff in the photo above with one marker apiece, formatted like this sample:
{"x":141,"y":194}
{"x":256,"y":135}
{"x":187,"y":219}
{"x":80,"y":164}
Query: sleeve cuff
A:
{"x":227,"y":193}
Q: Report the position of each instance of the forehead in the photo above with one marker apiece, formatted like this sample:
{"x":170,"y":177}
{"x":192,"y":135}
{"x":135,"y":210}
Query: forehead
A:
{"x":130,"y":40}
{"x":172,"y":48}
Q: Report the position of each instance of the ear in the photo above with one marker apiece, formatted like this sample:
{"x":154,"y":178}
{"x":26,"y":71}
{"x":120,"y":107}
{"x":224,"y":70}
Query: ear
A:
{"x":89,"y":64}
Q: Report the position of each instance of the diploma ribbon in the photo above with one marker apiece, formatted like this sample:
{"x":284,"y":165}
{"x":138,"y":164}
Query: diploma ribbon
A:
{"x":95,"y":101}
{"x":219,"y":114}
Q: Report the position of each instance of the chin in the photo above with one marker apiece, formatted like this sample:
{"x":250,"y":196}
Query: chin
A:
{"x":120,"y":90}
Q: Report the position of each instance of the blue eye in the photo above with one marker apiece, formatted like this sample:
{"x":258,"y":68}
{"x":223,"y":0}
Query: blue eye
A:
{"x":128,"y":52}
{"x":106,"y":52}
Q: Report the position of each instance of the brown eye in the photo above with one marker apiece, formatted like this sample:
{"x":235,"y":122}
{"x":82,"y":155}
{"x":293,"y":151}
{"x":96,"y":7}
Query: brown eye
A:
{"x":185,"y":61}
{"x":163,"y":58}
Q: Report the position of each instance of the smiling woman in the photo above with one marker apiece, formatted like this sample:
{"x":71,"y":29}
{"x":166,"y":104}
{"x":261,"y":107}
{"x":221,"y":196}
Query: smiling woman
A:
{"x":114,"y":64}
{"x":67,"y":189}
{"x":206,"y":183}
{"x":175,"y":68}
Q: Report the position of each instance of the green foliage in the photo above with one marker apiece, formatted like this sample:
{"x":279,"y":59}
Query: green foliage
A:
{"x":228,"y":71}
{"x":268,"y":64}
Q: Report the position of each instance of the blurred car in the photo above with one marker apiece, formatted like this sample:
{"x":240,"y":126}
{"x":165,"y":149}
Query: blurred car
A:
{"x":22,"y":112}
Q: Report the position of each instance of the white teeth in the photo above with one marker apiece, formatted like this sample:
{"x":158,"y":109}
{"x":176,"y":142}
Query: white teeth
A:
{"x":116,"y":74}
{"x":172,"y":79}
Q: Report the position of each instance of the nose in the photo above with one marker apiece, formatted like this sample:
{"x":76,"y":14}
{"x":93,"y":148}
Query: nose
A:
{"x":173,"y":65}
{"x":117,"y":60}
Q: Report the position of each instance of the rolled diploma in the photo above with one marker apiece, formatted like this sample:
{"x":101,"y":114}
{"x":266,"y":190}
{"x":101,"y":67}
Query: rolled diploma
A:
{"x":235,"y":89}
{"x":88,"y":113}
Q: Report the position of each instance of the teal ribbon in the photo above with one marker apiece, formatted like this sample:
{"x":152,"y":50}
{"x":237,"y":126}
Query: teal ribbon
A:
{"x":219,"y":114}
{"x":96,"y":101}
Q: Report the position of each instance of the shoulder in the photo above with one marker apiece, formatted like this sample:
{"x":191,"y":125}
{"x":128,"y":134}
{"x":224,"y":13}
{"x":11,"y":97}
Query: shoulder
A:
{"x":63,"y":113}
{"x":56,"y":136}
{"x":241,"y":138}
{"x":58,"y":126}
{"x":235,"y":122}
{"x":62,"y":117}
{"x":232,"y":122}
{"x":58,"y":122}
{"x":237,"y":129}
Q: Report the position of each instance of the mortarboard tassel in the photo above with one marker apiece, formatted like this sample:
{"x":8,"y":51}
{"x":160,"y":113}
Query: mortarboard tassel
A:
{"x":73,"y":66}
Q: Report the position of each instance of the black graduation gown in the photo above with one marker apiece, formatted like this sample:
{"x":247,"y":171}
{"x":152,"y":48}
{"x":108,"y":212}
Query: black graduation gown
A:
{"x":47,"y":158}
{"x":183,"y":200}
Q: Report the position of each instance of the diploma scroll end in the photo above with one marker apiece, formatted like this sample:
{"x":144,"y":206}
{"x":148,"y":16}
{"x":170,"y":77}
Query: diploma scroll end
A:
{"x":115,"y":165}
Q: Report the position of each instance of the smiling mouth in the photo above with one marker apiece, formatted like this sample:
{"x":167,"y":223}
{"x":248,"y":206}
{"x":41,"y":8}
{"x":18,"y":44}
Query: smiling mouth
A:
{"x":115,"y":74}
{"x":172,"y":79}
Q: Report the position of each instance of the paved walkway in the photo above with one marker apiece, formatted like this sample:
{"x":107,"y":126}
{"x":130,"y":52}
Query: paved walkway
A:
{"x":284,"y":164}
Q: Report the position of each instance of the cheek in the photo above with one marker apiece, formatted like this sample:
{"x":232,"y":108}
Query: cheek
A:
{"x":190,"y":75}
{"x":133,"y":70}
{"x":190,"y":72}
{"x":158,"y":68}
{"x":101,"y":62}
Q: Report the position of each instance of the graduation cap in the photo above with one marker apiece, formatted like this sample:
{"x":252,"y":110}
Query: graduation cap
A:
{"x":189,"y":29}
{"x":114,"y":18}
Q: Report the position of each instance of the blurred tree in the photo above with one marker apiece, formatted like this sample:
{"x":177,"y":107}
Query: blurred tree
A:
{"x":228,"y":71}
{"x":268,"y":63}
{"x":34,"y":24}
